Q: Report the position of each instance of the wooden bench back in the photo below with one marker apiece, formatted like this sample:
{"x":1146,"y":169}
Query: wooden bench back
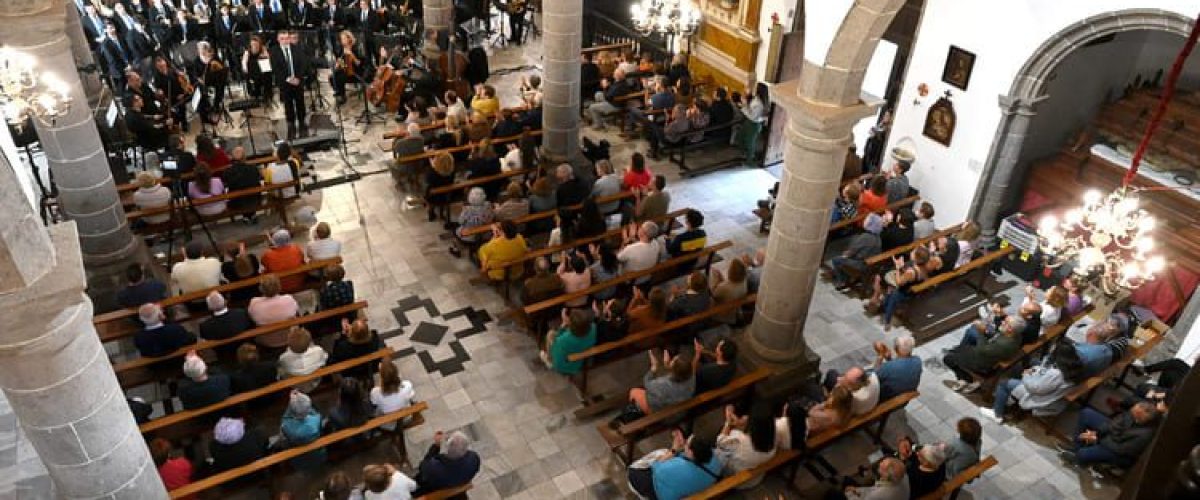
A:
{"x":446,"y":493}
{"x":639,"y":338}
{"x":883,"y":408}
{"x":479,"y":181}
{"x":610,"y":47}
{"x":280,"y":386}
{"x":701,"y":400}
{"x":132,"y":312}
{"x":387,"y":147}
{"x":220,"y":478}
{"x":886,"y":257}
{"x":1052,"y":333}
{"x":241,"y":337}
{"x":232,"y":195}
{"x":627,"y":277}
{"x":402,"y":132}
{"x":858,"y":219}
{"x":977,"y":263}
{"x":961,"y":479}
{"x":549,"y":214}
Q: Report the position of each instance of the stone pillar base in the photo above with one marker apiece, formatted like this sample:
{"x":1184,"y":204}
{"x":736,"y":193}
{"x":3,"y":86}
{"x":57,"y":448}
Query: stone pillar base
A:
{"x":787,"y":378}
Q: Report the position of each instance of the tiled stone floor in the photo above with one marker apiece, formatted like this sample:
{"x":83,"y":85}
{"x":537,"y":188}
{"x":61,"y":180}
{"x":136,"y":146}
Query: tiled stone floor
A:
{"x":490,"y":383}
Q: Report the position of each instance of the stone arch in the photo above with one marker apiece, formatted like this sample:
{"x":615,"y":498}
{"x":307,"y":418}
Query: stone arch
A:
{"x":997,"y":182}
{"x":839,"y":80}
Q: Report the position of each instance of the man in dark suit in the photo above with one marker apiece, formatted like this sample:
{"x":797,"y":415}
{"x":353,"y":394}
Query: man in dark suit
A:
{"x":367,"y":19}
{"x":333,"y":18}
{"x":93,"y":26}
{"x":116,"y":58}
{"x":261,"y":18}
{"x":225,"y":322}
{"x":305,"y":16}
{"x":291,"y":66}
{"x":139,"y":45}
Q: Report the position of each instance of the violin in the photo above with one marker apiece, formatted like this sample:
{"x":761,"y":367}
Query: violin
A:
{"x":347,"y":62}
{"x":185,"y":84}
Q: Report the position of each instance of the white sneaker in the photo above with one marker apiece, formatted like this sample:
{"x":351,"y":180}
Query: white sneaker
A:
{"x":546,"y":359}
{"x":991,"y":415}
{"x":984,"y":313}
{"x":971,"y":387}
{"x":957,"y":385}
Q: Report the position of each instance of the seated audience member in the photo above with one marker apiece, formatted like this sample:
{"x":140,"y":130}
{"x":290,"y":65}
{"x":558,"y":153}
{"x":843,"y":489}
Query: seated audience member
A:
{"x":272,"y":307}
{"x":356,"y":340}
{"x":139,"y":289}
{"x":924,"y":465}
{"x":721,"y":112}
{"x":440,"y":174}
{"x":607,"y":183}
{"x":241,"y":175}
{"x":612,"y":320}
{"x":714,"y":369}
{"x":729,"y":288}
{"x":897,"y":181}
{"x":893,"y":289}
{"x":852,"y":263}
{"x":834,"y":412}
{"x":204,"y":186}
{"x":571,"y":190}
{"x":301,"y":357}
{"x":964,"y":451}
{"x":485,"y":101}
{"x":412,"y":143}
{"x":201,"y":389}
{"x":693,"y":237}
{"x":637,"y":175}
{"x":351,"y":409}
{"x":484,"y":163}
{"x":1075,"y":299}
{"x":651,"y":201}
{"x":924,"y":226}
{"x":1096,"y":352}
{"x":505,"y":246}
{"x":791,"y":427}
{"x":693,"y":300}
{"x":891,"y":483}
{"x":151,"y":195}
{"x":337,"y":290}
{"x":283,"y":256}
{"x":647,"y":311}
{"x":385,"y":482}
{"x":845,"y":206}
{"x":745,"y":442}
{"x":392,"y":394}
{"x":945,"y":249}
{"x":211,"y":154}
{"x":605,"y":266}
{"x":575,"y":275}
{"x":338,"y":487}
{"x":1040,"y":389}
{"x":669,"y":383}
{"x":195,"y":272}
{"x":673,"y":132}
{"x":251,"y":372}
{"x":543,"y":285}
{"x":981,"y":359}
{"x":874,"y":198}
{"x":175,"y":470}
{"x":588,"y":221}
{"x":606,"y":99}
{"x":900,"y":373}
{"x":983,"y":329}
{"x":754,"y":267}
{"x":1052,"y":306}
{"x":156,"y":337}
{"x":897,"y":229}
{"x":478,"y":129}
{"x":577,"y":334}
{"x":233,"y":445}
{"x":224,"y":323}
{"x":968,"y":241}
{"x":513,"y":204}
{"x":454,"y":465}
{"x":864,"y":388}
{"x":661,"y":99}
{"x":240,"y":265}
{"x":476,"y":212}
{"x":700,"y":119}
{"x":688,"y":467}
{"x":301,"y":424}
{"x":506,"y":126}
{"x":322,"y":246}
{"x":1115,"y":441}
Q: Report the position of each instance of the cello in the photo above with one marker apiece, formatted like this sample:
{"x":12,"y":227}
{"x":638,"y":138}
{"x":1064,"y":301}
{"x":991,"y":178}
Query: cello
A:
{"x":453,"y":66}
{"x":388,"y":86}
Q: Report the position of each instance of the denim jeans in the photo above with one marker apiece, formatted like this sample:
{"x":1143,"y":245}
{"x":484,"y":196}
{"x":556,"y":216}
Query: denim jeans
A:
{"x":890,"y":302}
{"x":971,"y":336}
{"x":838,"y":264}
{"x":1090,"y":419}
{"x":1003,"y":392}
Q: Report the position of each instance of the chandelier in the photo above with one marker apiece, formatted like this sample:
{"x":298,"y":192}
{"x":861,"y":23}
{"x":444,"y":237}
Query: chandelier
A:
{"x":23,"y":94}
{"x":665,"y":17}
{"x":1109,"y":236}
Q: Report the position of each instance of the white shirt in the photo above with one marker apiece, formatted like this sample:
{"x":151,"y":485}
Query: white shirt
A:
{"x":195,"y":274}
{"x":512,"y":161}
{"x":740,"y":455}
{"x":865,"y":399}
{"x":293,"y":364}
{"x":396,"y":401}
{"x":400,"y":488}
{"x":280,"y":173}
{"x":327,"y":248}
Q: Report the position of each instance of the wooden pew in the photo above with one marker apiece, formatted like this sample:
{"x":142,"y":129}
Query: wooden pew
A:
{"x":124,"y":190}
{"x":179,"y":418}
{"x":1154,"y":332}
{"x":607,"y":48}
{"x":885,"y":258}
{"x":386,"y":146}
{"x":280,"y":457}
{"x":687,"y":146}
{"x":961,"y":479}
{"x":1047,"y":338}
{"x":816,"y":443}
{"x":631,"y":344}
{"x":978,"y":263}
{"x":624,"y":439}
{"x":665,"y":265}
{"x":122,"y":369}
{"x":446,"y":493}
{"x":858,"y":219}
{"x":467,"y":184}
{"x":548,"y":214}
{"x":116,"y":325}
{"x":181,"y":216}
{"x":402,"y":132}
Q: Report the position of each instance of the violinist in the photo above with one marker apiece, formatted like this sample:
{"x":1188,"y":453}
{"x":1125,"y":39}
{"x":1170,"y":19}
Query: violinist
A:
{"x":136,"y":86}
{"x":174,"y":88}
{"x":212,"y":76}
{"x":349,"y":65}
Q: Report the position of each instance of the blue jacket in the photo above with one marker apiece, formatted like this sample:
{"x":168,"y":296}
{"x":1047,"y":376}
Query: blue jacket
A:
{"x":438,"y":471}
{"x":1095,"y":357}
{"x":299,"y":431}
{"x":679,"y":477}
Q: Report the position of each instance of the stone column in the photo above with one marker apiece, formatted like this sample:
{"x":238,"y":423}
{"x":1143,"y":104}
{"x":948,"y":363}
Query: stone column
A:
{"x":995,"y":190}
{"x":72,"y":143}
{"x":817,"y":137}
{"x":562,"y":36}
{"x":53,"y":369}
{"x":83,"y":55}
{"x":437,"y":15}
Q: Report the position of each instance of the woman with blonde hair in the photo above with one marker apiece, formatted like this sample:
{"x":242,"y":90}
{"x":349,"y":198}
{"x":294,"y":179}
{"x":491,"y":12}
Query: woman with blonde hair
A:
{"x":833,"y":412}
{"x":151,"y":195}
{"x":356,"y":340}
{"x":440,"y":174}
{"x":729,"y":288}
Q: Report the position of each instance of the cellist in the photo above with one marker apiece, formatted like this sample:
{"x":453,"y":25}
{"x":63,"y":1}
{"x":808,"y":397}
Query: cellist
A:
{"x":349,"y":65}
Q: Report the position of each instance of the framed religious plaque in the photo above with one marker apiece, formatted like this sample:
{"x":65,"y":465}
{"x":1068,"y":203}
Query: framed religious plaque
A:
{"x":959,"y":64}
{"x":940,"y":121}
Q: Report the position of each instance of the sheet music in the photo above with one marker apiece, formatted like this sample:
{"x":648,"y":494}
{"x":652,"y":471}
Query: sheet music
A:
{"x":264,"y":65}
{"x":196,"y":96}
{"x":111,"y":116}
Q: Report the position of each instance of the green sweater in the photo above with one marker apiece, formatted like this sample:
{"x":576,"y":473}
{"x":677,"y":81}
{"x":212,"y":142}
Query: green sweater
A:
{"x":566,"y":344}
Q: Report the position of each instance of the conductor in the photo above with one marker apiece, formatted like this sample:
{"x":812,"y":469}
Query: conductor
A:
{"x":291,"y":67}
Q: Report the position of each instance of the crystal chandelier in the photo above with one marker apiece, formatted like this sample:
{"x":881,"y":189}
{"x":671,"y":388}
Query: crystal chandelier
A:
{"x":1108,"y":238}
{"x":23,"y":94}
{"x":665,"y":17}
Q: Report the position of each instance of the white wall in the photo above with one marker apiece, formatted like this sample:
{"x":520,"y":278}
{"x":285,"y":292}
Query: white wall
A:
{"x":822,"y":18}
{"x":1003,"y":36}
{"x":17,"y":160}
{"x":786,"y":9}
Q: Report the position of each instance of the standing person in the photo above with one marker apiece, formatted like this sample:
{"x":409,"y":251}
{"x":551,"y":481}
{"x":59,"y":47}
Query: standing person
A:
{"x":753,"y":107}
{"x":291,"y":66}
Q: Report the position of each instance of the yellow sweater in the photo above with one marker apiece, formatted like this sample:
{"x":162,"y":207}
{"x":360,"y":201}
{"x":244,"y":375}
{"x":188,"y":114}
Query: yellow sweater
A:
{"x":500,"y":250}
